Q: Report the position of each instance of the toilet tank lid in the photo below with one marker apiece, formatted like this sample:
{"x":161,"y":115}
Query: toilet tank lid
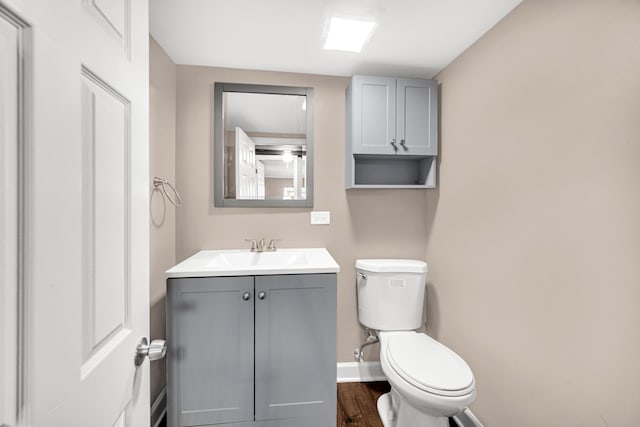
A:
{"x":392,"y":265}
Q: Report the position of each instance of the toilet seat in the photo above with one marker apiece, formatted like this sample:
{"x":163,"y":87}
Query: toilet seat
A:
{"x":429,"y":365}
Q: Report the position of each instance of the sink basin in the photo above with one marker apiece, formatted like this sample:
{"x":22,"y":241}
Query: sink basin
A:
{"x":249,"y":259}
{"x":239,"y":262}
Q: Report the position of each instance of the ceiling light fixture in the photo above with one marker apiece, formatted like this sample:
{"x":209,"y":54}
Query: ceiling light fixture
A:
{"x":287,"y":157}
{"x":348,"y":35}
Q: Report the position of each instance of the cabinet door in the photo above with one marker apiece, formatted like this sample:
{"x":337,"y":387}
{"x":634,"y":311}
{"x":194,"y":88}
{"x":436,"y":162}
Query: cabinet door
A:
{"x":373,"y":114}
{"x":210,"y":358}
{"x":295,"y":356}
{"x":417,"y":125}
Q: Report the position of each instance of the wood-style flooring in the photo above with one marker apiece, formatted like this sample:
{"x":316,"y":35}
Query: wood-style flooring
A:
{"x":357,"y":404}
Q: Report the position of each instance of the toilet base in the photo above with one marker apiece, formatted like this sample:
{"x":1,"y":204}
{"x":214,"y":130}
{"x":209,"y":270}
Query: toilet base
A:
{"x":395,"y":414}
{"x":385,"y":410}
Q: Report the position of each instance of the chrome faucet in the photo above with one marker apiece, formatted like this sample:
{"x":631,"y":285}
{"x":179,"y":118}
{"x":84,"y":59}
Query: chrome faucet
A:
{"x":261,"y":246}
{"x":254,"y":245}
{"x":272,"y":245}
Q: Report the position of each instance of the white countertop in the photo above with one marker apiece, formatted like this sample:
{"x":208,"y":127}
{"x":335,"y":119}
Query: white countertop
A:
{"x":243,"y":262}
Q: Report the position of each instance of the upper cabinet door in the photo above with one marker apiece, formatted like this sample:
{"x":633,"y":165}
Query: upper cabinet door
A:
{"x":417,"y":124}
{"x":373,"y":115}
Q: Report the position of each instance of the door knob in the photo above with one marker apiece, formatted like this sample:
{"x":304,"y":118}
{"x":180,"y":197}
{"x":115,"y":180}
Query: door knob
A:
{"x":155,"y":351}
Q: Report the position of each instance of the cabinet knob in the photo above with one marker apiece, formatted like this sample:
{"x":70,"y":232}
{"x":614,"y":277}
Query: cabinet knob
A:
{"x":262,"y":295}
{"x":246,"y":296}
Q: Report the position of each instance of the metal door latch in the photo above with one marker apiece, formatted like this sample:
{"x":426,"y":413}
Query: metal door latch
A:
{"x":155,"y":351}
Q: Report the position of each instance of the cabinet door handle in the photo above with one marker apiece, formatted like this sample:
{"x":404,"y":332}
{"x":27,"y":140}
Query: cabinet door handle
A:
{"x":403,"y":146}
{"x":262,"y":295}
{"x":393,"y":144}
{"x":246,"y":296}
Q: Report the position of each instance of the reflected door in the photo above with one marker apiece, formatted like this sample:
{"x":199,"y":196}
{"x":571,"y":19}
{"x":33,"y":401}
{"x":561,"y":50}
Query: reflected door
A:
{"x":260,"y":179}
{"x":246,"y":180}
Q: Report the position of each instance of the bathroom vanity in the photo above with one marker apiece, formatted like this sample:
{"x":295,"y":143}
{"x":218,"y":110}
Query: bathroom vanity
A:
{"x":252,"y":339}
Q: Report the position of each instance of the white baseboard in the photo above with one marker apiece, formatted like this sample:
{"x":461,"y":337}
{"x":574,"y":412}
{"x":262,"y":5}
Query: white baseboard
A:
{"x":159,"y":408}
{"x":354,"y":372}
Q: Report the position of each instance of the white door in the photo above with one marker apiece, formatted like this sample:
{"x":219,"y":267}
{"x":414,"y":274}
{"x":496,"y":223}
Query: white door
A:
{"x":260,"y":180}
{"x":9,"y":214}
{"x":86,"y":212}
{"x":246,"y":184}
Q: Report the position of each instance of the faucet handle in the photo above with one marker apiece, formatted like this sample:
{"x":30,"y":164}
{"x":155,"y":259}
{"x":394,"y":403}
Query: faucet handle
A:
{"x":261,"y":244}
{"x":254,"y":245}
{"x":272,"y":244}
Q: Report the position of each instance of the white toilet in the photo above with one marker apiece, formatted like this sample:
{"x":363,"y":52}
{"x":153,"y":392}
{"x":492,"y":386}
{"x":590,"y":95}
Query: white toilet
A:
{"x":429,"y":382}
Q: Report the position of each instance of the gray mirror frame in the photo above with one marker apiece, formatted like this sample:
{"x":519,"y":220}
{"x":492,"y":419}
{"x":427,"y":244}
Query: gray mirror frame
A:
{"x":218,"y":146}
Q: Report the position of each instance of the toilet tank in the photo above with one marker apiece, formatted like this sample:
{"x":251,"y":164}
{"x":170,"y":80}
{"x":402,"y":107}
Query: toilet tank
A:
{"x":390,"y":293}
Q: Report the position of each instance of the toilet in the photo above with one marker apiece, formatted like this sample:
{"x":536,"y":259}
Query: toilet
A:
{"x":429,"y":382}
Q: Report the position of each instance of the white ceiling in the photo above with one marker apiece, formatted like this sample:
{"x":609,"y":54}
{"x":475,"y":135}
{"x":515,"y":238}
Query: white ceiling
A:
{"x":413,"y":38}
{"x":265,"y":112}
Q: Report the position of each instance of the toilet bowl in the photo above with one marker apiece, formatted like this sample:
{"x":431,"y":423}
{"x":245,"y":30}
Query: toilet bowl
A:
{"x":429,"y":382}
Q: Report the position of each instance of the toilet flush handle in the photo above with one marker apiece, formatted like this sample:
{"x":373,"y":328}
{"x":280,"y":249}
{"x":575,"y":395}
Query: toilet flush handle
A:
{"x":364,"y":276}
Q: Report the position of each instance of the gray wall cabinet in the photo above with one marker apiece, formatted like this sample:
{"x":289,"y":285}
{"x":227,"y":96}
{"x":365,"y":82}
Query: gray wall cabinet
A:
{"x":255,"y":351}
{"x":392,"y":132}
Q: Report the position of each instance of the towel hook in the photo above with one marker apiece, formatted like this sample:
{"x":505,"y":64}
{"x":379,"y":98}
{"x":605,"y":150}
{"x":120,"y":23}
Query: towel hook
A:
{"x":160,"y":182}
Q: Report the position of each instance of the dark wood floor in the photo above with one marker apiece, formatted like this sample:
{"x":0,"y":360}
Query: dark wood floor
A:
{"x":356,"y":404}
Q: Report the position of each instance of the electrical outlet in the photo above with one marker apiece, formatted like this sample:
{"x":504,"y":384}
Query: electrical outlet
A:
{"x":321,"y":217}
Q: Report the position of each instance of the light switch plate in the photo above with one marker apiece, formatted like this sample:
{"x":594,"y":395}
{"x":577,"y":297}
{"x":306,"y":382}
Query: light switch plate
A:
{"x":321,"y":217}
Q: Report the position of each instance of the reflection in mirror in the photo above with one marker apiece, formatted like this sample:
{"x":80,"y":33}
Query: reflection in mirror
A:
{"x":263,"y":134}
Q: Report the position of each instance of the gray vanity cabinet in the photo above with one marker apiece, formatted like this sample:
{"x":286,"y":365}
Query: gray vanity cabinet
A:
{"x":253,"y":351}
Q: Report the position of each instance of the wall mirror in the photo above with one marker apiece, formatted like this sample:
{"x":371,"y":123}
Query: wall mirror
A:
{"x":263,"y":146}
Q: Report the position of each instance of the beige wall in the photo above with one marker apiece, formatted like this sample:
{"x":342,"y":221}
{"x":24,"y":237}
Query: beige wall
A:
{"x":274,"y":187}
{"x":364,"y":223}
{"x":162,"y":117}
{"x":534,"y":243}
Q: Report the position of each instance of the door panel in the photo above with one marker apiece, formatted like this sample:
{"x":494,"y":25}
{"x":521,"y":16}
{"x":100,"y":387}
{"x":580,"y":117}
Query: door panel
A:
{"x":114,"y":13}
{"x":210,"y":335}
{"x":106,"y":172}
{"x":295,"y":346}
{"x":374,"y":115}
{"x":417,"y":117}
